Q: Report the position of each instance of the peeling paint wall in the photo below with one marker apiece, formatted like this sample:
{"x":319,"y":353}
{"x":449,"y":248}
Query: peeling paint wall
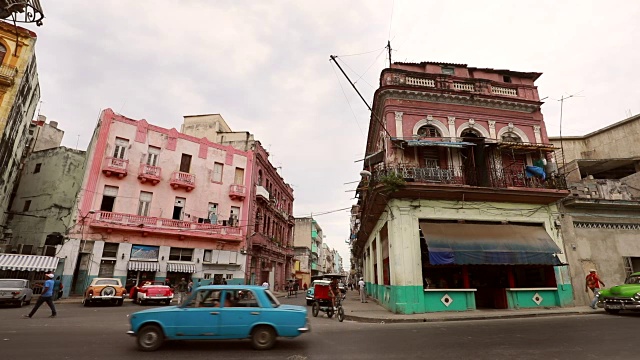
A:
{"x":46,"y":195}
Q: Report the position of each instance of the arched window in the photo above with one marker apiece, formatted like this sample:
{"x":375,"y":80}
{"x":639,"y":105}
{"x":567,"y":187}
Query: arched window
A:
{"x":429,"y":131}
{"x":3,"y":53}
{"x":470,"y":133}
{"x":511,"y":137}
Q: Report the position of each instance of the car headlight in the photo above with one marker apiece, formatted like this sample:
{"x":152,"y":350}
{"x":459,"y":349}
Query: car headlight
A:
{"x":637,"y":296}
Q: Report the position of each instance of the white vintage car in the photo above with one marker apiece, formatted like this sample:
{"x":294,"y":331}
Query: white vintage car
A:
{"x":15,"y":291}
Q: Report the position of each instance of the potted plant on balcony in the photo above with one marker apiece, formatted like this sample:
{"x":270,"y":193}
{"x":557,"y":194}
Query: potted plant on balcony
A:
{"x":392,"y":182}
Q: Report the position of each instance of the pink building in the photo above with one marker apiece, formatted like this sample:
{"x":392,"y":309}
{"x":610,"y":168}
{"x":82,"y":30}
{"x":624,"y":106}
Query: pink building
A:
{"x":155,"y":204}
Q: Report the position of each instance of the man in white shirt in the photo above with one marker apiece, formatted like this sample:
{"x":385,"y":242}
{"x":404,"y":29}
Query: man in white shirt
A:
{"x":363,"y":294}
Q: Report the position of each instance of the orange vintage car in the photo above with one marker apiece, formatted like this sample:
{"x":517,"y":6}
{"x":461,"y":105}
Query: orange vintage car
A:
{"x":104,"y":290}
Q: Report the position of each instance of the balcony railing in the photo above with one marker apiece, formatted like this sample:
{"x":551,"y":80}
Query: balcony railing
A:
{"x":237,"y":191}
{"x":115,"y":166}
{"x":162,"y":225}
{"x":473,"y":176}
{"x":262,"y":192}
{"x":7,"y":75}
{"x":504,"y":91}
{"x":463,"y":86}
{"x":421,"y":82}
{"x":149,"y":173}
{"x":183,"y":179}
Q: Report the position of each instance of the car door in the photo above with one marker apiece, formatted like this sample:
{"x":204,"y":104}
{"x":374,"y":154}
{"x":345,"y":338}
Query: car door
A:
{"x":239,"y":313}
{"x":198,"y":317}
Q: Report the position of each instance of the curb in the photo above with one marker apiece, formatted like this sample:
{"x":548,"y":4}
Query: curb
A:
{"x":363,"y":319}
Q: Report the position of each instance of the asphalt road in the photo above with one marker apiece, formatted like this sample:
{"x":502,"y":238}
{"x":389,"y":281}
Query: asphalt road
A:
{"x":99,"y":333}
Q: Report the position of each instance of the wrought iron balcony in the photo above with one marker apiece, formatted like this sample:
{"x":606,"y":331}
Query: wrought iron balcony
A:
{"x":22,"y":11}
{"x":182,"y":179}
{"x":7,"y":75}
{"x":115,"y":166}
{"x":237,"y":192}
{"x":502,"y":178}
{"x":149,"y":173}
{"x":155,"y":225}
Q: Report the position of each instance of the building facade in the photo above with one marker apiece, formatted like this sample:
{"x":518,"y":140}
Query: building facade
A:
{"x":457,"y":202}
{"x":157,"y":204}
{"x":19,"y":96}
{"x":271,"y":242}
{"x":308,"y":248}
{"x":601,"y":217}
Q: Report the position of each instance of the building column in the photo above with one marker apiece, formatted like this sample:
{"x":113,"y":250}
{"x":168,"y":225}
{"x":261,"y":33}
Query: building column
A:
{"x":492,"y":129}
{"x":399,"y":132}
{"x":536,"y":133}
{"x":452,"y":127}
{"x":405,"y":262}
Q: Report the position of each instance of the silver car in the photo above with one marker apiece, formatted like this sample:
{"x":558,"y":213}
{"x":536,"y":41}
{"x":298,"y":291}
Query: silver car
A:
{"x":16,"y":292}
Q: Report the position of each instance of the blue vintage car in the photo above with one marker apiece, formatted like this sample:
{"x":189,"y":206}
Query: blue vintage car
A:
{"x":221,"y":312}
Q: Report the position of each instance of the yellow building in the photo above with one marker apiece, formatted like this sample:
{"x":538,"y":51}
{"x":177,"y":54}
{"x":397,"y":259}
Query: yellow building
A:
{"x":19,"y":96}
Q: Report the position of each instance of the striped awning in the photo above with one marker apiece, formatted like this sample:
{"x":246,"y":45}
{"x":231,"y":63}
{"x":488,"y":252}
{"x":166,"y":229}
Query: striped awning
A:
{"x":28,"y":262}
{"x":181,"y":268}
{"x":143,"y":266}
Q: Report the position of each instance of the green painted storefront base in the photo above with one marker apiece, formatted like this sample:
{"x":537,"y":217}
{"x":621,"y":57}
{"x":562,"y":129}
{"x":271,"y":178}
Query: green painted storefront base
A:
{"x":415,"y":300}
{"x":541,"y":297}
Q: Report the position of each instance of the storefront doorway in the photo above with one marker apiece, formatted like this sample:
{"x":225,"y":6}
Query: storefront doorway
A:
{"x":134,"y":278}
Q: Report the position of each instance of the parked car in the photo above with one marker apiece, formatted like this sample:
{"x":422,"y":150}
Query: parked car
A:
{"x":15,"y":291}
{"x":152,"y":292}
{"x":310,"y":291}
{"x":621,"y":297}
{"x":104,"y":290}
{"x":220,"y":312}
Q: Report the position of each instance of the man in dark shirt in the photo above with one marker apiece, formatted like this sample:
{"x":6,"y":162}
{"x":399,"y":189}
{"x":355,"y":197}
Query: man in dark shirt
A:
{"x":334,"y":291}
{"x":182,"y":290}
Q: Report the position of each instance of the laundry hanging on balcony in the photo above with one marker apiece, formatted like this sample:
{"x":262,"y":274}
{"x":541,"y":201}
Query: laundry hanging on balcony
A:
{"x":535,"y":171}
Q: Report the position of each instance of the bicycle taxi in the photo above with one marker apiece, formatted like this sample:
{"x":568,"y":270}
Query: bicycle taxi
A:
{"x":322,"y":300}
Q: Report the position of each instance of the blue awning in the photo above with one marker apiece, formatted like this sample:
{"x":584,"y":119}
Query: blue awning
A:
{"x":474,"y":244}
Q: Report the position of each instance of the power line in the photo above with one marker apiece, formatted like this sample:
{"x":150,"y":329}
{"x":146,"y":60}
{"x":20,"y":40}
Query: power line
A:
{"x":348,"y":102}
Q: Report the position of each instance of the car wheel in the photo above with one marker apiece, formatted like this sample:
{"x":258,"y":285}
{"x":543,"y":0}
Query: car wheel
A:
{"x":612,"y":311}
{"x":120,"y":302}
{"x":167,"y":302}
{"x":28,"y":302}
{"x":340,"y":314}
{"x":150,"y":338}
{"x":85,"y":302}
{"x":263,"y":338}
{"x":309,"y":302}
{"x":315,"y":309}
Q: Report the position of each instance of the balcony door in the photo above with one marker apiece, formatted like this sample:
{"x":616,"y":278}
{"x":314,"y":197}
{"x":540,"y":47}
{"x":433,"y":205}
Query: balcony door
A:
{"x":152,"y":157}
{"x":120,"y":148}
{"x":178,"y":208}
{"x":185,"y":163}
{"x":239,"y":177}
{"x":109,"y":195}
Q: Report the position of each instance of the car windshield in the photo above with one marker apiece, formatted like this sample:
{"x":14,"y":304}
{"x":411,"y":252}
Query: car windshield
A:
{"x":107,"y":282}
{"x":11,"y":284}
{"x":272,"y":299}
{"x":633,"y":280}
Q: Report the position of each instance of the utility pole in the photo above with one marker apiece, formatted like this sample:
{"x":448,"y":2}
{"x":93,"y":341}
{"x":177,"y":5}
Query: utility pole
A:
{"x":562,"y":99}
{"x":389,"y":48}
{"x":333,"y":58}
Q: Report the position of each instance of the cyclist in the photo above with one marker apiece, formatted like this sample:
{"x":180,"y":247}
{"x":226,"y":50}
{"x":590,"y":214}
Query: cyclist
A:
{"x":334,"y":292}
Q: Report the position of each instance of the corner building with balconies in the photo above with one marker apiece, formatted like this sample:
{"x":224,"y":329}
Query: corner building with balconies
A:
{"x":155,"y":204}
{"x":457,"y":206}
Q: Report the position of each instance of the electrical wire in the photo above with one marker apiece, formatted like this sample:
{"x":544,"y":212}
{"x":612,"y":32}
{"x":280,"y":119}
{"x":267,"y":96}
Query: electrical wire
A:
{"x":363,"y":53}
{"x":348,"y":102}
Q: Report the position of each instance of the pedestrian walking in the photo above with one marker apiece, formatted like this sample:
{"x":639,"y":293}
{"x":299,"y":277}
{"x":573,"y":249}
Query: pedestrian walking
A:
{"x":265,"y":285}
{"x":46,"y":296}
{"x":190,"y":286}
{"x":593,"y":282}
{"x":305,"y":287}
{"x":182,"y":290}
{"x":363,"y":294}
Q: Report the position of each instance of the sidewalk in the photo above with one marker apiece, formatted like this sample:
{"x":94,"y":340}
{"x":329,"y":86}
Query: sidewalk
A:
{"x":371,"y":312}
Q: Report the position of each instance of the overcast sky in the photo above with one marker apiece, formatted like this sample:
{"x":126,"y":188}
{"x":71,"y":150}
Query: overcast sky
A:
{"x":264,"y":65}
